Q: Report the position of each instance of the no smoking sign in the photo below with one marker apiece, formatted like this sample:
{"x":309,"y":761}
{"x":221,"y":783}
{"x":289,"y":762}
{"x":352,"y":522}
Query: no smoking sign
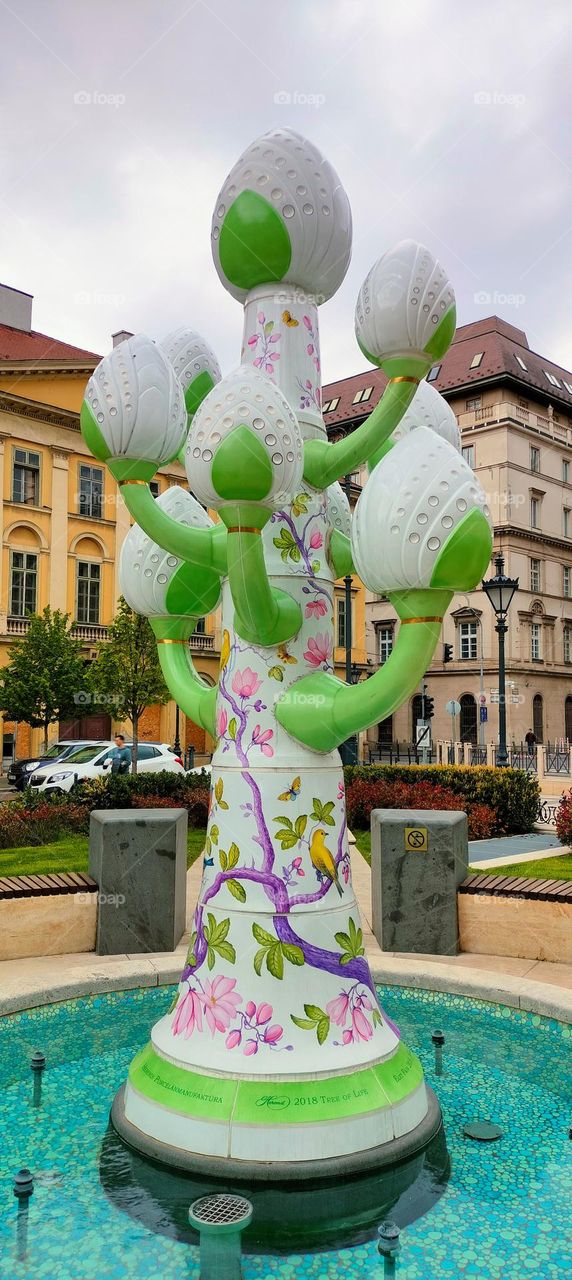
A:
{"x":416,"y":839}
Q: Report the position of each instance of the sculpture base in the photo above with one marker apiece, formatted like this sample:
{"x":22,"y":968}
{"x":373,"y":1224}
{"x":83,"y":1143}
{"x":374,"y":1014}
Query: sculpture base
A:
{"x":279,"y":1129}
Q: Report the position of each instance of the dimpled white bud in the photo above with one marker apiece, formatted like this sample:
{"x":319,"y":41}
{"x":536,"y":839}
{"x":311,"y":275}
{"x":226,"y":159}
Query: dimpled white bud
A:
{"x":338,"y":512}
{"x":190,"y":355}
{"x":138,"y":402}
{"x":145,"y":569}
{"x":245,"y":398}
{"x":305,"y":191}
{"x":429,"y":409}
{"x":401,"y":302}
{"x":413,"y":501}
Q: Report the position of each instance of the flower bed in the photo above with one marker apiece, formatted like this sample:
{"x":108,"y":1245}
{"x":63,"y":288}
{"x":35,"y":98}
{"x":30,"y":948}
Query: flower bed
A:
{"x":496,"y":801}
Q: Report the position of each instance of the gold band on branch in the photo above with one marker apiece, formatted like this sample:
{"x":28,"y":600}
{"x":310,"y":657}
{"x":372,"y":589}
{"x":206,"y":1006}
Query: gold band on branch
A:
{"x":243,"y":528}
{"x":172,"y":642}
{"x":405,"y":621}
{"x":403,"y":378}
{"x":122,"y":482}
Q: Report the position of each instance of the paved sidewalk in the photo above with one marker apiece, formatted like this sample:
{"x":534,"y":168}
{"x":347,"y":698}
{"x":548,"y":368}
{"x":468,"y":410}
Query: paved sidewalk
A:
{"x":537,"y":986}
{"x":514,"y":848}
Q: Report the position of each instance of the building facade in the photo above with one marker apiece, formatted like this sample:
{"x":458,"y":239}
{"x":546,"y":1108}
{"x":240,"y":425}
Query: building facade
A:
{"x":514,"y":410}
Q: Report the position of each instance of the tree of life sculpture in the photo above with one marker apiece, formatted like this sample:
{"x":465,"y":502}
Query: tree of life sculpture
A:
{"x":276,"y":1048}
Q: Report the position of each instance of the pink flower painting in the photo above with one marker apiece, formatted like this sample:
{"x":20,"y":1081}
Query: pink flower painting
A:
{"x":188,"y":1014}
{"x":262,"y":740}
{"x":220,"y":1002}
{"x":319,"y":650}
{"x":316,"y":609}
{"x":246,"y":683}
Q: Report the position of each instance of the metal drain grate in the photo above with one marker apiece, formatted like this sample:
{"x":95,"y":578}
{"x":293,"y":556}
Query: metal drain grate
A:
{"x":221,"y":1211}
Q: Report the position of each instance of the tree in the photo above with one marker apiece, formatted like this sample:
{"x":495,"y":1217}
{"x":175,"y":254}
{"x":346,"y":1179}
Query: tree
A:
{"x":126,"y":672}
{"x":45,"y":679}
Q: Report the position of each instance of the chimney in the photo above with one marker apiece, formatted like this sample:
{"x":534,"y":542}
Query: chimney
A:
{"x":16,"y":308}
{"x":120,"y":336}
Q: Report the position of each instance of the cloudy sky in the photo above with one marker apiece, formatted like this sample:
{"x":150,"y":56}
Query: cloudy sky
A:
{"x":447,"y":122}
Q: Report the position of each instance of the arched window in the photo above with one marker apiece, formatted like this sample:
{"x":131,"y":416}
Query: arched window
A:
{"x":468,"y":718}
{"x":568,"y":718}
{"x":538,"y":717}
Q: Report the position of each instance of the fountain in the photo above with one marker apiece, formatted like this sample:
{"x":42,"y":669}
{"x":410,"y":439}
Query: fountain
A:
{"x":276,"y":1050}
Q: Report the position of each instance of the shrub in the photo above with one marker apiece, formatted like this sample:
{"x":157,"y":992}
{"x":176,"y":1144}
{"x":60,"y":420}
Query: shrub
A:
{"x":512,"y":794}
{"x":564,"y":819}
{"x":40,"y":821}
{"x":362,"y":796}
{"x":150,"y":791}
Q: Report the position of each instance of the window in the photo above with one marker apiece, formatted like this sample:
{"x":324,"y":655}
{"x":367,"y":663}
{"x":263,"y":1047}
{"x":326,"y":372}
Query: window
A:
{"x":385,"y":643}
{"x":330,"y":405}
{"x":538,"y":717}
{"x":146,"y":752}
{"x":520,"y":361}
{"x":467,"y":640}
{"x":474,"y":402}
{"x":535,"y":641}
{"x":469,"y":454}
{"x":361,"y":396}
{"x":88,"y":587}
{"x":566,"y":581}
{"x":475,"y":362}
{"x":567,"y":644}
{"x":434,"y":373}
{"x":23,"y":583}
{"x":200,"y":629}
{"x":341,"y":622}
{"x":468,"y":723}
{"x":154,"y":487}
{"x":552,"y":380}
{"x":26,"y":477}
{"x":565,"y":471}
{"x":566,"y":528}
{"x":568,"y":386}
{"x":90,"y":491}
{"x":535,"y":575}
{"x":535,"y":513}
{"x":534,"y":458}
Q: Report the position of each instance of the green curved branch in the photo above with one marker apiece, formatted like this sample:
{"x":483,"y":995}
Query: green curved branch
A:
{"x":196,"y":699}
{"x":324,"y":462}
{"x":321,"y":711}
{"x":264,"y":615}
{"x":205,"y":548}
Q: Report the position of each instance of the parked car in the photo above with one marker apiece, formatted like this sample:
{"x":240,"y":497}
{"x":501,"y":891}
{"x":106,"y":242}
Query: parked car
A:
{"x":92,"y":762}
{"x":20,"y":770}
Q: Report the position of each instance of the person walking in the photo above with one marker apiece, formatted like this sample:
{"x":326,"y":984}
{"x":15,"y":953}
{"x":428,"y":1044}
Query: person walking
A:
{"x":120,"y":756}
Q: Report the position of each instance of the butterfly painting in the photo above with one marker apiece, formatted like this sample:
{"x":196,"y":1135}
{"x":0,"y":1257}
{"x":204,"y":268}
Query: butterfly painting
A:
{"x":289,"y":320}
{"x":293,"y":791}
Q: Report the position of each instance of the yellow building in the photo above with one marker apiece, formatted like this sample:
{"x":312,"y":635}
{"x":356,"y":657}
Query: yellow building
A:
{"x":63,"y":522}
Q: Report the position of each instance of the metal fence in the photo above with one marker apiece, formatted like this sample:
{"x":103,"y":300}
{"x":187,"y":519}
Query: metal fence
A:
{"x":400,"y":753}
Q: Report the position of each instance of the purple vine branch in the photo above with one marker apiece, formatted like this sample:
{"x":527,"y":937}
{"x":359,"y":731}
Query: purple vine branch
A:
{"x":319,"y":958}
{"x":265,"y":838}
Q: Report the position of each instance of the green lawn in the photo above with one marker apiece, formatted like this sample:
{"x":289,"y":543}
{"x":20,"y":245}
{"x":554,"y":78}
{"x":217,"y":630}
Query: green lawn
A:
{"x":70,"y":854}
{"x":541,"y":869}
{"x":363,"y":843}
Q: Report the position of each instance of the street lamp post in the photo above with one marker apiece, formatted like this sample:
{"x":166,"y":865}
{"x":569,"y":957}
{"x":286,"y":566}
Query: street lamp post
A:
{"x":500,"y":591}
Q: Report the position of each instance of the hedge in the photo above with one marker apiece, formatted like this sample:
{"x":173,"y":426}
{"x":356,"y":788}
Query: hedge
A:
{"x":564,"y":819}
{"x":364,"y":795}
{"x":512,"y":794}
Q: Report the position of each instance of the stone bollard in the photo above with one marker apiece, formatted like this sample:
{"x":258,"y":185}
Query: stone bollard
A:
{"x":418,"y":859}
{"x":139,"y":859}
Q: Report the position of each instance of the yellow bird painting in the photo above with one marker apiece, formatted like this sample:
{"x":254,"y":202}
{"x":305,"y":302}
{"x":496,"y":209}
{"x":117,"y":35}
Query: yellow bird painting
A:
{"x":224,"y":649}
{"x":322,"y":859}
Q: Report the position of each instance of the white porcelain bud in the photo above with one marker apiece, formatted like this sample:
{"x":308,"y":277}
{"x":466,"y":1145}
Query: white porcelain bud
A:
{"x":146,"y":571}
{"x":429,"y":409}
{"x":338,"y":512}
{"x":411,"y":505}
{"x":282,"y":215}
{"x":244,"y":444}
{"x":136,"y":404}
{"x":405,"y":308}
{"x":195,"y":365}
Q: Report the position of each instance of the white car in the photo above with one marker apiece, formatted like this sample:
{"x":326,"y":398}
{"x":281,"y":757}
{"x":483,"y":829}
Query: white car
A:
{"x":95,"y":762}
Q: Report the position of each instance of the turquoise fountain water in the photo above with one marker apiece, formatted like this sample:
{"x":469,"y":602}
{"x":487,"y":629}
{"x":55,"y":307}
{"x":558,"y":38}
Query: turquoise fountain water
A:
{"x":501,"y":1211}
